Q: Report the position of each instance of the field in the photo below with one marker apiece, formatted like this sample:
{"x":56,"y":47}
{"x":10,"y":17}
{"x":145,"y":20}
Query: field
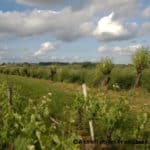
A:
{"x":51,"y":112}
{"x":37,"y":88}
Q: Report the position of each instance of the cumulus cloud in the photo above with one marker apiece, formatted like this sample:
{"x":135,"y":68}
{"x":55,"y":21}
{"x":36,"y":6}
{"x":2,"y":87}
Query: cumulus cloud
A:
{"x":69,"y":24}
{"x":39,"y":2}
{"x":117,"y":50}
{"x":145,"y":28}
{"x":110,"y":29}
{"x":119,"y":54}
{"x":45,"y":49}
{"x":122,"y":8}
{"x":146,"y":12}
{"x":65,"y":25}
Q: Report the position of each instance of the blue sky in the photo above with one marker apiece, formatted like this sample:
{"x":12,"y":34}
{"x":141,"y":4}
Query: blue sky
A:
{"x":67,"y":30}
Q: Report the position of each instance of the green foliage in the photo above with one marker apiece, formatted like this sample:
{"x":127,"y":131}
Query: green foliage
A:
{"x":63,"y":74}
{"x":90,"y":77}
{"x":141,"y":59}
{"x":30,"y":124}
{"x":106,"y":66}
{"x":14,"y":71}
{"x":24,"y":71}
{"x":49,"y":120}
{"x":6,"y":70}
{"x":146,"y":79}
{"x":53,"y":71}
{"x":123,"y":77}
{"x":76,"y":77}
{"x":72,"y":76}
{"x":113,"y":120}
{"x":41,"y":73}
{"x":98,"y":76}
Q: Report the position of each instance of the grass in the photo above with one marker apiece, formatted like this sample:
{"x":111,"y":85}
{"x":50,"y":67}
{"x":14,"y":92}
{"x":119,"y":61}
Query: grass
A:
{"x":36,"y":88}
{"x":66,"y":92}
{"x":139,"y":97}
{"x":62,"y":94}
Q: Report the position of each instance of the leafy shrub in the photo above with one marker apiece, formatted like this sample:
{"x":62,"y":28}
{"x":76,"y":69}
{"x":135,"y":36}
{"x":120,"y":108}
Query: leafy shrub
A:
{"x":1,"y":69}
{"x":52,"y":73}
{"x":33,"y":72}
{"x":34,"y":124}
{"x":123,"y":77}
{"x":89,"y":77}
{"x":76,"y":77}
{"x":51,"y":124}
{"x":146,"y":79}
{"x":6,"y":70}
{"x":141,"y":60}
{"x":98,"y":76}
{"x":14,"y":71}
{"x":63,"y":74}
{"x":24,"y":71}
{"x":106,"y":66}
{"x":112,"y":120}
{"x":42,"y":73}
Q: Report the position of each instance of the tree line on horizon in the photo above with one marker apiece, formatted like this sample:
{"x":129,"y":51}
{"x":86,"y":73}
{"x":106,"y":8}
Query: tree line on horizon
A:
{"x":94,"y":74}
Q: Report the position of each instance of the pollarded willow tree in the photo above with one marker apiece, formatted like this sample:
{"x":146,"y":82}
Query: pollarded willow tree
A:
{"x":140,"y":59}
{"x":106,"y":67}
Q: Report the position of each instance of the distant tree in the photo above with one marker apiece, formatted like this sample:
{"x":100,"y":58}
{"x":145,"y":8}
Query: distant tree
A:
{"x":140,"y":61}
{"x":106,"y":67}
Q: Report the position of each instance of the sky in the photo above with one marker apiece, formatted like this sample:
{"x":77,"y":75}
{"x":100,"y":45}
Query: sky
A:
{"x":73,"y":30}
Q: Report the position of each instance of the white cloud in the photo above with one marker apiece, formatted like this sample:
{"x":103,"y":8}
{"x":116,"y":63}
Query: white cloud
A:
{"x":122,"y":8}
{"x":119,"y":6}
{"x":119,"y":54}
{"x":70,"y":24}
{"x":65,"y":25}
{"x":86,"y":28}
{"x":110,"y":29}
{"x":117,"y":50}
{"x":145,"y":28}
{"x":106,"y":25}
{"x":146,"y":12}
{"x":39,"y":2}
{"x":45,"y":49}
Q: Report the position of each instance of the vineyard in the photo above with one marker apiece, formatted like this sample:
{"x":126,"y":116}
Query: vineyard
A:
{"x":59,"y":108}
{"x":74,"y":74}
{"x":52,"y":120}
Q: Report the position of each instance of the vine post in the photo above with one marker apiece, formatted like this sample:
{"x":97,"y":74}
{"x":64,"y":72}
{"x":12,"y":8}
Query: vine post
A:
{"x":84,"y":89}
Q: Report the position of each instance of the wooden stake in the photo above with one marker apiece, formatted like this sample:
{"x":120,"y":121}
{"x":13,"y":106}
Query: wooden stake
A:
{"x":84,"y":89}
{"x":91,"y":129}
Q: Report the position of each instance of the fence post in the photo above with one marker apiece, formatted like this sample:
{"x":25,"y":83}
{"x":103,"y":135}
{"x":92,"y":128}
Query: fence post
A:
{"x":84,"y":89}
{"x":91,"y":129}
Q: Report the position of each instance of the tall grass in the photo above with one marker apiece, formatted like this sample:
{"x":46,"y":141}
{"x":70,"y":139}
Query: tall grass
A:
{"x":124,"y":77}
